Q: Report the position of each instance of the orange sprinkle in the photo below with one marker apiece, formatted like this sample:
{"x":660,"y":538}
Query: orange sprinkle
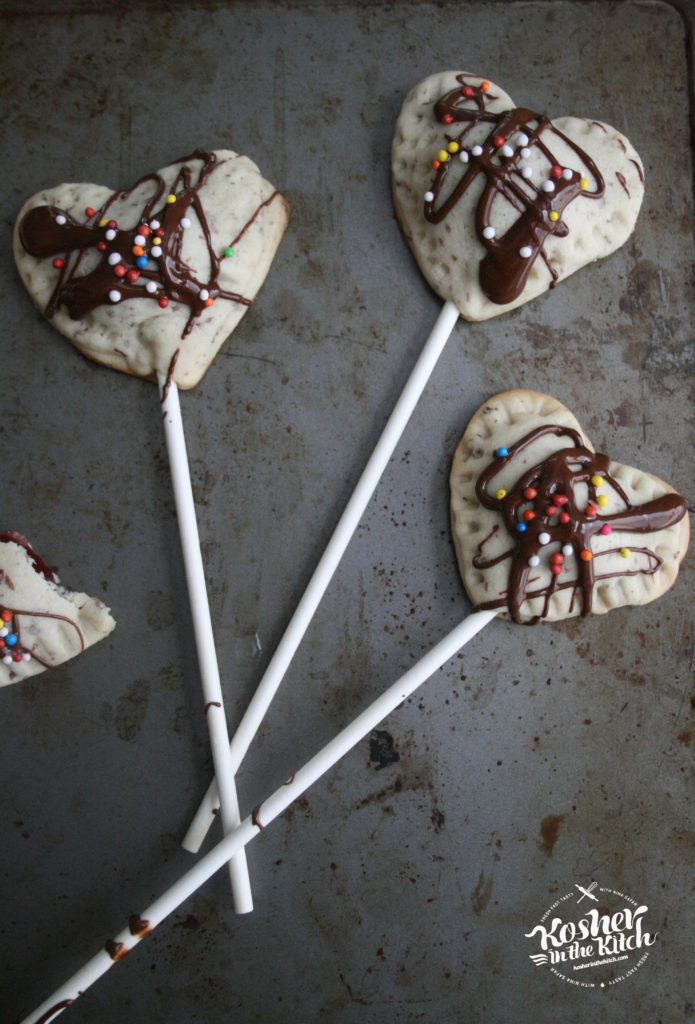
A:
{"x":585,"y":555}
{"x":485,"y":86}
{"x":138,"y":250}
{"x":209,"y":302}
{"x":435,"y":164}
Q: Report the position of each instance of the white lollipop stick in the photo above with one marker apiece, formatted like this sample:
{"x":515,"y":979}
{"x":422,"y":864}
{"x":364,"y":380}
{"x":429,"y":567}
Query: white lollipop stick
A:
{"x":141,"y":925}
{"x":348,"y":523}
{"x":202,"y":628}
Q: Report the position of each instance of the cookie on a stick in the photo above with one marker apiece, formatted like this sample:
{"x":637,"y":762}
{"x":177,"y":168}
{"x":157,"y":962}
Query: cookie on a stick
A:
{"x":150,"y":280}
{"x":546,"y":528}
{"x":155,"y":277}
{"x":42,"y":622}
{"x":498,"y":204}
{"x":517,"y":443}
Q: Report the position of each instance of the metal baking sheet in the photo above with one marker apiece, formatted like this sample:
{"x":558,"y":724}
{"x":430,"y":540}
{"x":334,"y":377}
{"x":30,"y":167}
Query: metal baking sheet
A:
{"x":403,"y":885}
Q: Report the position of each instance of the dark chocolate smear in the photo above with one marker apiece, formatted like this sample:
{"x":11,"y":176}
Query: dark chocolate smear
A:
{"x":139,"y":926}
{"x":170,"y":375}
{"x":54,"y":1010}
{"x":116,"y":950}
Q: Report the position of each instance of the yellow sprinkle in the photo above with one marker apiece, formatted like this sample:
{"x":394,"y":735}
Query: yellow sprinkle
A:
{"x":453,"y":147}
{"x":156,"y":240}
{"x":442,"y":155}
{"x":624,"y":552}
{"x":583,"y":183}
{"x":602,"y":500}
{"x":500,"y":494}
{"x":103,"y":222}
{"x":553,"y":215}
{"x":597,"y":480}
{"x":171,"y":198}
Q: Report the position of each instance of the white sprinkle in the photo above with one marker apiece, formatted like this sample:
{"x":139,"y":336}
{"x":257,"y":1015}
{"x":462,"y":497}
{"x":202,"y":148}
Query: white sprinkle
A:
{"x":507,"y":150}
{"x":7,"y":660}
{"x":139,"y":240}
{"x":154,"y":224}
{"x":114,"y":295}
{"x":522,"y":138}
{"x":566,"y":173}
{"x":489,"y":231}
{"x":567,"y":550}
{"x":477,"y":150}
{"x":429,"y":196}
{"x":526,"y":171}
{"x":60,"y":218}
{"x":110,"y":234}
{"x":548,"y":186}
{"x":544,"y":538}
{"x":526,"y":251}
{"x":525,"y":152}
{"x":533,"y":561}
{"x":4,"y":631}
{"x":151,"y":286}
{"x":463,"y":156}
{"x":114,"y":258}
{"x":204,"y":294}
{"x":185,"y":222}
{"x":26,"y":656}
{"x":156,"y":250}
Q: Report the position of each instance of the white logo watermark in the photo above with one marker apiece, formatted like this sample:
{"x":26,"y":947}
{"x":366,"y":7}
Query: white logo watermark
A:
{"x":593,"y":936}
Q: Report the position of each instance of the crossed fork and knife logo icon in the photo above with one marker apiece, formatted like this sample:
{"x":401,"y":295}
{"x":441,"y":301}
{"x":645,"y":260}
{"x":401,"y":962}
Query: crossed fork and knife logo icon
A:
{"x":589,"y":891}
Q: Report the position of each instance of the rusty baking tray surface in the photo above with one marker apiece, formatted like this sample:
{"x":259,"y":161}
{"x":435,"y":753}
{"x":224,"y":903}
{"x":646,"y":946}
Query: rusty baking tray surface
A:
{"x":403,"y":885}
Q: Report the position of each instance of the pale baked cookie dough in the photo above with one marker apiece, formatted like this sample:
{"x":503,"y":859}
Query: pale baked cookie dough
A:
{"x":545,"y":528}
{"x":153,"y":278}
{"x":42,"y":623}
{"x":498,"y":203}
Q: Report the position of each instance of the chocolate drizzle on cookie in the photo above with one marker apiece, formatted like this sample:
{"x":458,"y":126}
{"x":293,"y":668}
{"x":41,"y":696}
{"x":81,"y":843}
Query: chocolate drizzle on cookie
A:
{"x":553,"y":513}
{"x":12,"y":649}
{"x":514,"y":135}
{"x":37,"y":562}
{"x":144,"y":261}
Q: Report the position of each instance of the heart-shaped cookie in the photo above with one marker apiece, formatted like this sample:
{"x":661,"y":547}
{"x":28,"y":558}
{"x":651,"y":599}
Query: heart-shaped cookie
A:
{"x":42,"y":624}
{"x":498,"y":203}
{"x":155,"y":276}
{"x":546,"y":528}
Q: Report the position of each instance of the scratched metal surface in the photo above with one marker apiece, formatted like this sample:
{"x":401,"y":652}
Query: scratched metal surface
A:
{"x":402,"y":885}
